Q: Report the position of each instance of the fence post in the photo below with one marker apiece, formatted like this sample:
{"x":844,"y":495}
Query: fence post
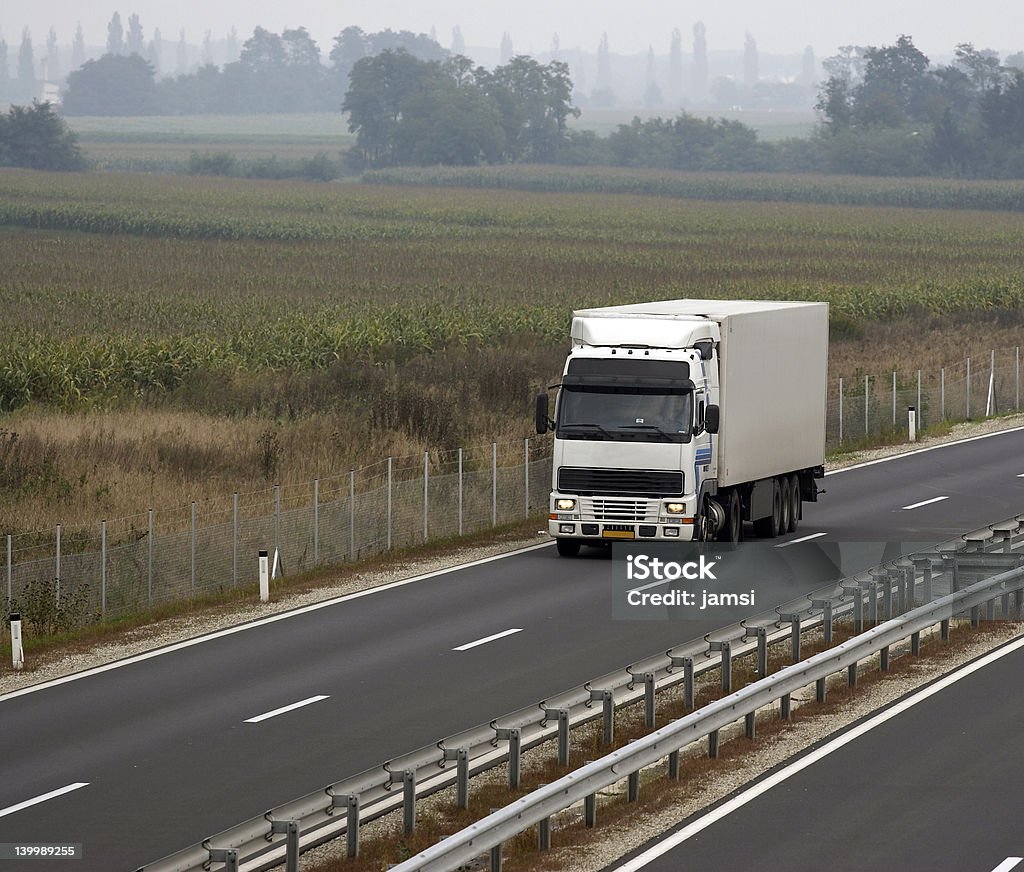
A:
{"x":316,"y":522}
{"x":234,"y":539}
{"x":351,"y":514}
{"x":57,"y":576}
{"x":1016,"y":374}
{"x":426,"y":495}
{"x":103,"y":569}
{"x":460,"y":491}
{"x":894,"y":398}
{"x":192,"y":542}
{"x":919,"y":417}
{"x":840,"y":410}
{"x":942,"y":393}
{"x":390,"y":471}
{"x":149,"y":560}
{"x":526,"y":477}
{"x":10,"y":574}
{"x":968,"y":415}
{"x":494,"y":484}
{"x":867,"y":426}
{"x":277,"y":524}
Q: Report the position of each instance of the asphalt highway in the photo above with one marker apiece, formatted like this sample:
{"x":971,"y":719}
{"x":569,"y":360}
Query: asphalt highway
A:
{"x":175,"y":747}
{"x":933,"y":788}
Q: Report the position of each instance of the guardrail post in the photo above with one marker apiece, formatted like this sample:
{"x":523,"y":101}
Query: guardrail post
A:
{"x":872,"y":603}
{"x":350,"y":803}
{"x":688,"y":683}
{"x":649,"y":688}
{"x":608,"y":711}
{"x":227,"y":856}
{"x":762,"y":652}
{"x":975,"y":617}
{"x":633,"y":786}
{"x":713,"y":744}
{"x":901,"y":591}
{"x":884,"y":658}
{"x":590,"y":810}
{"x":544,"y":834}
{"x":461,"y":758}
{"x":990,"y":610}
{"x":409,"y":800}
{"x":1005,"y":603}
{"x":290,"y":830}
{"x":726,"y":650}
{"x":1018,"y":601}
{"x":563,"y":735}
{"x":851,"y":675}
{"x":750,"y":724}
{"x":854,"y":590}
{"x":496,"y":858}
{"x":915,"y":644}
{"x":820,"y":690}
{"x":515,"y":754}
{"x":944,"y":629}
{"x":793,"y":619}
{"x":673,"y":765}
{"x":785,"y":707}
{"x":826,"y":618}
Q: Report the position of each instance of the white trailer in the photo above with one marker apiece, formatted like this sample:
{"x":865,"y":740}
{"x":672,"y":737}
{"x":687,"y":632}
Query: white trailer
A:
{"x":681,"y":419}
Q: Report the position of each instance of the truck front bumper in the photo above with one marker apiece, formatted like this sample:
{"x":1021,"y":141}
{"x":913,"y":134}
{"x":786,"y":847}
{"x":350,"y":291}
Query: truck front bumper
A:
{"x":594,"y":520}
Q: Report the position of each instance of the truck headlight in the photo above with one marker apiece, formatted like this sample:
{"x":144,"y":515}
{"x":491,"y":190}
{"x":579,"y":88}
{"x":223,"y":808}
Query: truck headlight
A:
{"x":565,"y":505}
{"x":675,"y":508}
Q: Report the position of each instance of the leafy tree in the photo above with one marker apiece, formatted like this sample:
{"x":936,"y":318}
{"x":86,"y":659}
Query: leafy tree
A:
{"x":36,"y":137}
{"x":981,"y":67}
{"x":895,"y":86}
{"x":135,"y":42}
{"x":535,"y":102}
{"x":26,"y":88}
{"x":115,"y":35}
{"x":112,"y":85}
{"x":1002,"y":110}
{"x":78,"y":48}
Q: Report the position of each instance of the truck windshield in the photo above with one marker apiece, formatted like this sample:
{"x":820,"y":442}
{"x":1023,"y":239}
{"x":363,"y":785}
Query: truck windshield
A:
{"x":627,"y":414}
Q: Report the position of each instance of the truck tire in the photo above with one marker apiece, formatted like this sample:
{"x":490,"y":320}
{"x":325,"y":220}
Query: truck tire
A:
{"x":794,"y":508}
{"x":786,"y":498}
{"x":769,"y":528}
{"x":568,"y":547}
{"x":732,"y":529}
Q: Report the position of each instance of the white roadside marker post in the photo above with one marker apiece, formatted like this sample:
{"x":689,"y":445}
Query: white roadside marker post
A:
{"x":17,"y":652}
{"x":912,"y":415}
{"x":264,"y":577}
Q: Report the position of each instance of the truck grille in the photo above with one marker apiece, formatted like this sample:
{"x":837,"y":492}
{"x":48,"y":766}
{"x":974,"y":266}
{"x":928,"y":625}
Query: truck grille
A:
{"x":618,"y":509}
{"x":583,"y":480}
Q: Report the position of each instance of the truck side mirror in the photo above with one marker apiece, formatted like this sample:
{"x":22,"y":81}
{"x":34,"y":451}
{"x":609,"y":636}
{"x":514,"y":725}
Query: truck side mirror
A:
{"x":711,"y":419}
{"x":542,"y":413}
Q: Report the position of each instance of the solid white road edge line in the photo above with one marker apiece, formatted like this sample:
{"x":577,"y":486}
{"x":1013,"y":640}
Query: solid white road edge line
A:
{"x":283,"y":709}
{"x":11,"y":809}
{"x":270,"y":619}
{"x":766,"y":784}
{"x":801,"y":539}
{"x":829,"y":472}
{"x":487,"y":639}
{"x":1008,"y":864}
{"x":925,"y":503}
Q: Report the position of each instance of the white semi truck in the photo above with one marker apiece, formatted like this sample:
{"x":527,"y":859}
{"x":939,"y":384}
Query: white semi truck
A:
{"x":683,"y":419}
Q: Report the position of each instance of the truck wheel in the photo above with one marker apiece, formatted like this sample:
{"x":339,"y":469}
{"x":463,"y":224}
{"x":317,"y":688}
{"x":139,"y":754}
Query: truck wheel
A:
{"x":732,"y":529}
{"x":568,"y":547}
{"x":794,"y":507}
{"x":770,"y":527}
{"x":787,"y":503}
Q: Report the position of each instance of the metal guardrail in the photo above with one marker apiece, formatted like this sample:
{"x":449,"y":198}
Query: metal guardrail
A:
{"x":582,"y":784}
{"x":338,"y":809}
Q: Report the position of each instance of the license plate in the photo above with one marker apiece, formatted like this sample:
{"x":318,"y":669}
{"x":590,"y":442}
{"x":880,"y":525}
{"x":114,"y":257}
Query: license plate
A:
{"x":619,"y":534}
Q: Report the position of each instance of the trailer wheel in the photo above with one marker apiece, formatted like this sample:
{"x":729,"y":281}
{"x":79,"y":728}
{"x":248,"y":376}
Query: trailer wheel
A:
{"x":794,"y":508}
{"x":786,"y":501}
{"x":770,"y":527}
{"x":568,"y":547}
{"x":732,"y":529}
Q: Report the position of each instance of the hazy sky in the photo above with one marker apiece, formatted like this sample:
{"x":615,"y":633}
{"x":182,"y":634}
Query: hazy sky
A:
{"x":777,"y":25}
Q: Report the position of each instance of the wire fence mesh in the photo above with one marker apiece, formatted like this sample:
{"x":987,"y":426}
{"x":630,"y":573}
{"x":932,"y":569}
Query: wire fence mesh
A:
{"x":61,"y":578}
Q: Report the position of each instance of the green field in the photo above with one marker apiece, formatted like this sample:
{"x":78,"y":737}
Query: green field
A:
{"x":158,"y":328}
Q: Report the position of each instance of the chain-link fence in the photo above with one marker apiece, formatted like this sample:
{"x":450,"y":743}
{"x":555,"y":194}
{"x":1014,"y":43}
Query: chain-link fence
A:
{"x":866,"y":407}
{"x":60,"y":579}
